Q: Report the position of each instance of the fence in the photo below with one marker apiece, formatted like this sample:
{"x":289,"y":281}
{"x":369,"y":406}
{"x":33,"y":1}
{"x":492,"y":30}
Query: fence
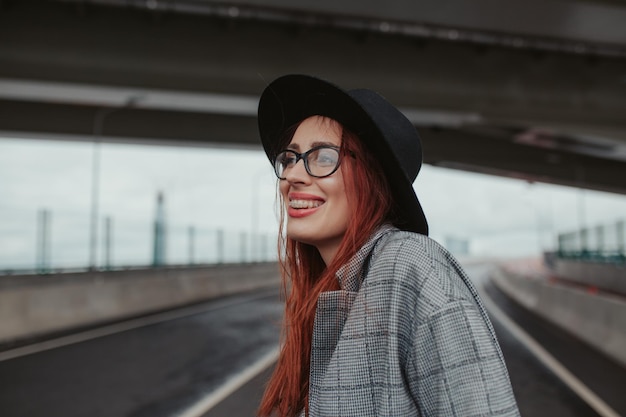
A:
{"x":602,"y":243}
{"x":44,"y":241}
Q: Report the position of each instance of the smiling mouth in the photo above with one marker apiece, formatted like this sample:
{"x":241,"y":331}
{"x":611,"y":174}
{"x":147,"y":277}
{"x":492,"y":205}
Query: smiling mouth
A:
{"x":305,"y":204}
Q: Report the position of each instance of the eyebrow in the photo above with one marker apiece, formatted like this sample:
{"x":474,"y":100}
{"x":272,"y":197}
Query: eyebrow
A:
{"x":296,"y":147}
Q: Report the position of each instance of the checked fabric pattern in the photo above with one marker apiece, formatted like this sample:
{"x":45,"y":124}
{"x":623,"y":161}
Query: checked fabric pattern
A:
{"x":405,"y":336}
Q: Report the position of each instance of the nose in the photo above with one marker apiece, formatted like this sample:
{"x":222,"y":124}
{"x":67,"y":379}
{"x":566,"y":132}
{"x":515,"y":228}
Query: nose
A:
{"x":297,"y":173}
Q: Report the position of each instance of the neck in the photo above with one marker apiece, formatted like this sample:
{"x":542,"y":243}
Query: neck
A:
{"x":328,"y":250}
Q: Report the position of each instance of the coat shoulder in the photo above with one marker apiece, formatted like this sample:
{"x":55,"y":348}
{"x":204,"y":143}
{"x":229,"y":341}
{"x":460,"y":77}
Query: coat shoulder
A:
{"x":401,"y":242}
{"x":419,"y":266}
{"x":411,"y":253}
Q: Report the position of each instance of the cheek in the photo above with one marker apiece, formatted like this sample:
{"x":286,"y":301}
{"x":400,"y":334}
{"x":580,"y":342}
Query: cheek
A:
{"x":335,"y":191}
{"x":335,"y":188}
{"x":344,"y":201}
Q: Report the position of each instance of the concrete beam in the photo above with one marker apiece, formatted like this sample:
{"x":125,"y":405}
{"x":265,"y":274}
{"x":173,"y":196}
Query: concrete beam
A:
{"x":114,"y":47}
{"x":492,"y":98}
{"x":560,"y":21}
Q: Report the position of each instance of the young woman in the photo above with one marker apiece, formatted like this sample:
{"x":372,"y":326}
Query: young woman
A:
{"x":379,"y":320}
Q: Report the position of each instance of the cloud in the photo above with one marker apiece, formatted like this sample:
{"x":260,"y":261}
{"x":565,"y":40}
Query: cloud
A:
{"x":235,"y":190}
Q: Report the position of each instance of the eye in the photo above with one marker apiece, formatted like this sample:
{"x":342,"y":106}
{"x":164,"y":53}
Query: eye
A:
{"x":325,"y":157}
{"x":286,"y":159}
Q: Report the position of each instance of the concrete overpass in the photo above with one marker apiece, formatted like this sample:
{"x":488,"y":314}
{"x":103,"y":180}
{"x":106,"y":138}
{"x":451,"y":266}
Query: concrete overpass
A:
{"x":529,"y":89}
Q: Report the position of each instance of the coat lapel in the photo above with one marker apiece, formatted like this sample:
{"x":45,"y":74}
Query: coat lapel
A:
{"x":333,"y":308}
{"x":351,"y":274}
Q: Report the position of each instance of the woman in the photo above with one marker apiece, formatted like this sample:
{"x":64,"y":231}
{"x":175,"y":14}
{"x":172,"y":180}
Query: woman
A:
{"x":379,"y":320}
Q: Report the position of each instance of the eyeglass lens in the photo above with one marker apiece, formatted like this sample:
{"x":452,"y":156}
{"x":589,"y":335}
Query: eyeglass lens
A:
{"x":318,"y":162}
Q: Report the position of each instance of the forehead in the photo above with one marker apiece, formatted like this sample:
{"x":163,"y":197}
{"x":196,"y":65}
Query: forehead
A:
{"x":315,"y":131}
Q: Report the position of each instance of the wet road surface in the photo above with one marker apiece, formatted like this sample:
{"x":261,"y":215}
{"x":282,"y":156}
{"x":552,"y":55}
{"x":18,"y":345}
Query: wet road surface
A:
{"x":156,"y":370}
{"x":540,"y":392}
{"x":162,"y":369}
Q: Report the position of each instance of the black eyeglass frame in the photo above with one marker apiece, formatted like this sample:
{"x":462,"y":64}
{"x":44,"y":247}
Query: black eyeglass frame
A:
{"x":305,"y":158}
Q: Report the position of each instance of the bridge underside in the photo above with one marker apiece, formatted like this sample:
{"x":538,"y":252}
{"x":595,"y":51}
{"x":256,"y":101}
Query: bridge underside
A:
{"x":74,"y":70}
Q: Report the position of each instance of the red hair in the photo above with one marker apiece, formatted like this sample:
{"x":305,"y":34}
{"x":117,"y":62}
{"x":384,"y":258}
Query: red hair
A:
{"x":305,"y":276}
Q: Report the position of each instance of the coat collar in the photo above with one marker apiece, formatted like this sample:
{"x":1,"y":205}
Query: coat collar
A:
{"x":333,"y":309}
{"x":350,"y":275}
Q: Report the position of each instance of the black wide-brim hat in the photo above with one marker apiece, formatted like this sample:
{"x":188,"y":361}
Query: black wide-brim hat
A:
{"x":384,"y":130}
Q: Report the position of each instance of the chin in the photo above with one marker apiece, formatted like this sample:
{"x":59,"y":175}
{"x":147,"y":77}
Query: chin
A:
{"x":301,"y":236}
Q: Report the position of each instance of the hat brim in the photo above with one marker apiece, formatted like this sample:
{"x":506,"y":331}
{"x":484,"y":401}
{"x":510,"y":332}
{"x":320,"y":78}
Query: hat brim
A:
{"x":292,"y":98}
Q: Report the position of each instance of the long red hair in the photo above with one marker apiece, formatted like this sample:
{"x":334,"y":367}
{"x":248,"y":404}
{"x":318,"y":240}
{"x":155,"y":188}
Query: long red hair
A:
{"x":305,"y":276}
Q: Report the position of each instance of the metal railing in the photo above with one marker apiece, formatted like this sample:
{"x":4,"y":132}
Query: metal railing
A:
{"x":602,"y":243}
{"x":43,"y":241}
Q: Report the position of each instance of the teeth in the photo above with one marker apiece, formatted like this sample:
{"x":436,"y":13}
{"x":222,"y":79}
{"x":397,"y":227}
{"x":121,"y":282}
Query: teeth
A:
{"x":305,"y":204}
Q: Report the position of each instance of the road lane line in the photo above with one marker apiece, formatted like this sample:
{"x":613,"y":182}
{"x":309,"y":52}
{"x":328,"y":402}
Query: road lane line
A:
{"x":548,"y":360}
{"x":232,"y":385}
{"x":107,"y":330}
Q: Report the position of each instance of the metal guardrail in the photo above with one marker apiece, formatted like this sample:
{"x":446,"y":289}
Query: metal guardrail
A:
{"x":7,"y":272}
{"x":603,"y":257}
{"x":603,"y":243}
{"x":45,"y":242}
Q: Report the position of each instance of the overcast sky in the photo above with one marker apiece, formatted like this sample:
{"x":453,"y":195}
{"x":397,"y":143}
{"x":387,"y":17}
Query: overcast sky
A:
{"x":234,"y":190}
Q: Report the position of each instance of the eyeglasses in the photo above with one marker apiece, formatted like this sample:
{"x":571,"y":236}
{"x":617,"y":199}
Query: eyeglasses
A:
{"x":319,"y":162}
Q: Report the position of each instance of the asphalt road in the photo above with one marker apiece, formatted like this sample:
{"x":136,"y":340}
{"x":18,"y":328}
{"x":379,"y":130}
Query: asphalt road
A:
{"x":540,"y":392}
{"x":156,"y":370}
{"x":162,"y":369}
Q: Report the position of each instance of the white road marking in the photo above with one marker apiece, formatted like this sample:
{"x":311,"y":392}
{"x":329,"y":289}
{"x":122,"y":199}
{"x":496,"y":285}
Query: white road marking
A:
{"x":126,"y":325}
{"x":232,"y":385}
{"x":548,"y":360}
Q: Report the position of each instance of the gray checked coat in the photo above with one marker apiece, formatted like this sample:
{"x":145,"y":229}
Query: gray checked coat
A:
{"x":405,"y":336}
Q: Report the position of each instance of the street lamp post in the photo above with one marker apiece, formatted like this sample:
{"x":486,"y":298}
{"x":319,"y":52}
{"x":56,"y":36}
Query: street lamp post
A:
{"x":255,"y":216}
{"x":98,"y":130}
{"x":255,"y":219}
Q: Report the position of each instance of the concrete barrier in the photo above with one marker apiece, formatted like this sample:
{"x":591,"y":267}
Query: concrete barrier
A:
{"x":599,"y":320}
{"x":36,"y":305}
{"x":610,"y":277}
